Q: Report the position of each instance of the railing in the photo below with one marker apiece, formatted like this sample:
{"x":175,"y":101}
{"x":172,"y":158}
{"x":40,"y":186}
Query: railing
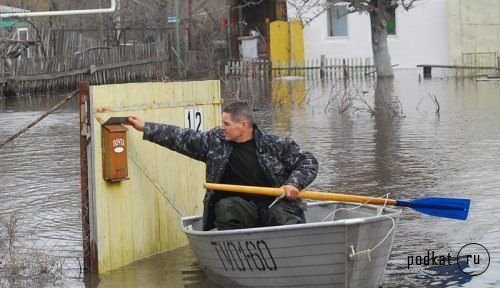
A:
{"x":479,"y":59}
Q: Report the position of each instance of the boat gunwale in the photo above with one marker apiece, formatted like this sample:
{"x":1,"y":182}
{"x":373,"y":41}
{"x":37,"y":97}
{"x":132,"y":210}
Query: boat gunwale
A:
{"x":393,"y":213}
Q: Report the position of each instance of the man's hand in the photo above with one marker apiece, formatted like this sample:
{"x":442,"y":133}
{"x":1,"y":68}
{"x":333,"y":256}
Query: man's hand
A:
{"x":291,"y":192}
{"x":136,"y":122}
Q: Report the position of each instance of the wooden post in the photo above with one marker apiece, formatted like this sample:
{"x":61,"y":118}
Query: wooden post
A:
{"x":322,"y":69}
{"x":178,"y":38}
{"x":89,"y":251}
{"x":346,"y":74}
{"x":427,"y":72}
{"x":335,"y":68}
{"x":367,"y":66}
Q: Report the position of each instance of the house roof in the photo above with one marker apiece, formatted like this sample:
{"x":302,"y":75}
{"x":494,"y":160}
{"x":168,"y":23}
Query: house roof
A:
{"x":9,"y":9}
{"x":9,"y":23}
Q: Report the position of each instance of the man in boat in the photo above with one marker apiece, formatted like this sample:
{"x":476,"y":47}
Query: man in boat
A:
{"x":239,"y":153}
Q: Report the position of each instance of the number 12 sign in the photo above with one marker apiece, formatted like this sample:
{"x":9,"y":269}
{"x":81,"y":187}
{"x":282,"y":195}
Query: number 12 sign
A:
{"x":193,"y":119}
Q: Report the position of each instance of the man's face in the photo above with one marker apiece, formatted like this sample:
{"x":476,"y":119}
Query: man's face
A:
{"x":233,"y":129}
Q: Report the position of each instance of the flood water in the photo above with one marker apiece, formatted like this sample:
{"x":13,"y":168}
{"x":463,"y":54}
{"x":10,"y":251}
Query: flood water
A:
{"x":370,"y":139}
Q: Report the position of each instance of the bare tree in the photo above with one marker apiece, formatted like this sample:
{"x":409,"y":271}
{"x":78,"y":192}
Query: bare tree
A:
{"x":379,"y":11}
{"x":204,"y":27}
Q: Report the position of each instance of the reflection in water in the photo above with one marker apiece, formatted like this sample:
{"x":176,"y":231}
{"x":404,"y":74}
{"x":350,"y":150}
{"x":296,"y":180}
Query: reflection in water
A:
{"x":402,"y":148}
{"x":173,"y":269}
{"x":386,"y":135}
{"x":286,"y":93}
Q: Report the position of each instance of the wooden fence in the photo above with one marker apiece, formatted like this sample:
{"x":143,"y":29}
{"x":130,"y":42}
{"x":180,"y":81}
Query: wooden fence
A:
{"x":64,"y":41}
{"x":104,"y":66}
{"x":313,"y":68}
{"x":40,"y":70}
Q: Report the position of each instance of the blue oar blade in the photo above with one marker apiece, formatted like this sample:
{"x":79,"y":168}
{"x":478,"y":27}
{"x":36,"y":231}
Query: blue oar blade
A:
{"x":454,"y":208}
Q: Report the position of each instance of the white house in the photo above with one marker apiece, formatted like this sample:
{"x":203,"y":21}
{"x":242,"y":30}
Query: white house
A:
{"x":433,"y":32}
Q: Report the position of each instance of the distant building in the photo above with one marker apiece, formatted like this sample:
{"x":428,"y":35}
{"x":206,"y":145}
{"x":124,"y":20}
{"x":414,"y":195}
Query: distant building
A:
{"x":433,"y":32}
{"x":474,"y":32}
{"x":19,"y":27}
{"x":236,"y":20}
{"x":9,"y":9}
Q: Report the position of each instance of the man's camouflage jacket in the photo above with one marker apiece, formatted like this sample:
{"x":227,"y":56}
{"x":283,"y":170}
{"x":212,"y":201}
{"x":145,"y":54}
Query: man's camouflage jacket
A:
{"x":280,"y":158}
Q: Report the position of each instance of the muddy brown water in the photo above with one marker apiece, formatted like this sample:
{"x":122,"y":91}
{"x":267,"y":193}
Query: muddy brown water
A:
{"x":369,"y":141}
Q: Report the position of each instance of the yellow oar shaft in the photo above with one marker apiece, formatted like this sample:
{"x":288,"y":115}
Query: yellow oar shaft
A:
{"x":302,"y":194}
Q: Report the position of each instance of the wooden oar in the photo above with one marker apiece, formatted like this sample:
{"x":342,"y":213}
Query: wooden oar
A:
{"x":454,"y":208}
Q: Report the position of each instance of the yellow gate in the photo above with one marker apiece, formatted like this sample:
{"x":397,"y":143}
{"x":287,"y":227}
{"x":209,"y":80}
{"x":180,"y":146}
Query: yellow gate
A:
{"x":139,"y":217}
{"x":287,"y":44}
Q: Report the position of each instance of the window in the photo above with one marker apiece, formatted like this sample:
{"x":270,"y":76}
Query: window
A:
{"x":22,"y":34}
{"x":337,"y":21}
{"x":391,"y":23}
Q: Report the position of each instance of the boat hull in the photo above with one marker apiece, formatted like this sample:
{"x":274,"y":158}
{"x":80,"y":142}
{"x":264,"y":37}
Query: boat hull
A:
{"x":316,"y":254}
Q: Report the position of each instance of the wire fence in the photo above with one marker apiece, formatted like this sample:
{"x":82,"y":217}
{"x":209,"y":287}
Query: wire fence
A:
{"x":40,"y":211}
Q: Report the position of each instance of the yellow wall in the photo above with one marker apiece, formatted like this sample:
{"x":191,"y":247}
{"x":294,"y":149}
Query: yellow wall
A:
{"x":474,"y":27}
{"x":297,"y":41}
{"x":280,"y":39}
{"x":137,"y":218}
{"x":287,"y":42}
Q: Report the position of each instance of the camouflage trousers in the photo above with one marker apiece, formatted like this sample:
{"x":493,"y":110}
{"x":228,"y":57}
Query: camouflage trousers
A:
{"x":238,"y":213}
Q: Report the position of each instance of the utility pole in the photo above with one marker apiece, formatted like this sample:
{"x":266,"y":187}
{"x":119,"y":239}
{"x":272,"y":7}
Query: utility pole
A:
{"x":101,"y":25}
{"x":178,"y":38}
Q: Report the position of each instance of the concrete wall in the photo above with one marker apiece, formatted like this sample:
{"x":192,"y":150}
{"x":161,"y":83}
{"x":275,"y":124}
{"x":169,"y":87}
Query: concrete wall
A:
{"x":474,"y":27}
{"x":422,"y":36}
